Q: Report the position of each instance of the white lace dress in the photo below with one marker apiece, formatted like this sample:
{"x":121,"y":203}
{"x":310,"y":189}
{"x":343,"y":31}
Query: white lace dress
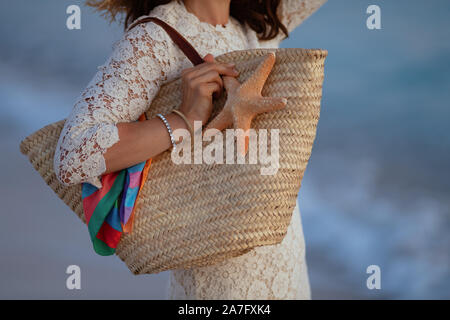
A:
{"x":121,"y":90}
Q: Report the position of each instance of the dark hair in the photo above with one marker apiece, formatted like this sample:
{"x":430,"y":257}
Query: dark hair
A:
{"x":259,"y":15}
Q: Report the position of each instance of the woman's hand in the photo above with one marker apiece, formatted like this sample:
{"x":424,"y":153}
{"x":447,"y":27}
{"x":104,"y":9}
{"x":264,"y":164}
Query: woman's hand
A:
{"x":199,"y":83}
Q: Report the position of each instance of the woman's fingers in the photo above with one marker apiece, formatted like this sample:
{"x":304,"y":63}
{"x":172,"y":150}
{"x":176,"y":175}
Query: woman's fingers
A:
{"x":207,"y":89}
{"x":222,"y":68}
{"x":214,"y":71}
{"x":230,"y":83}
{"x":209,"y":58}
{"x":209,"y":72}
{"x":211,"y":76}
{"x":210,"y":63}
{"x":212,"y":87}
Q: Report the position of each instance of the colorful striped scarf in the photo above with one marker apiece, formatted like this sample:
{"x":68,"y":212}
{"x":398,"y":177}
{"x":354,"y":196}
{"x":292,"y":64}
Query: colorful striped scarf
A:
{"x":109,"y":211}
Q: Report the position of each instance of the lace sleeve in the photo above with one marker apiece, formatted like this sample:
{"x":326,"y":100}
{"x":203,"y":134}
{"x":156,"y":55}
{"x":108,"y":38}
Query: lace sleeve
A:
{"x":120,"y":91}
{"x":294,"y":12}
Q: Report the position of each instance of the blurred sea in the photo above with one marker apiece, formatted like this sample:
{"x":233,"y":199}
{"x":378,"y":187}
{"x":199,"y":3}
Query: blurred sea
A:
{"x":376,"y":191}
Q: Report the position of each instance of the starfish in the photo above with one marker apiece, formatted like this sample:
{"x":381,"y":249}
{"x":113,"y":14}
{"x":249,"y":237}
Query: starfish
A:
{"x":245,"y":101}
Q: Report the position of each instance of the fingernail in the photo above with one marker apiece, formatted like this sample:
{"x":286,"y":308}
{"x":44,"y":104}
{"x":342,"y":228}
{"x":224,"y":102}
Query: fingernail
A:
{"x":231,"y":65}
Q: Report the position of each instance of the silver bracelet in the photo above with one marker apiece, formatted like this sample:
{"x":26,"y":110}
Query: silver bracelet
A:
{"x":169,"y":129}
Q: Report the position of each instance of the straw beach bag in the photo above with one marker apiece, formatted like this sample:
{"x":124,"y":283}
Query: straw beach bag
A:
{"x":193,"y":215}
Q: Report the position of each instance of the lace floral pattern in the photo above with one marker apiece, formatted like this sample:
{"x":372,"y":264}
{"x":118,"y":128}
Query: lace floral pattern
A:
{"x":122,"y":89}
{"x":119,"y":92}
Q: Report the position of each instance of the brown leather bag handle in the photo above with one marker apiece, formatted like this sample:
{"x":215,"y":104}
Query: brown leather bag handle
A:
{"x":176,"y":37}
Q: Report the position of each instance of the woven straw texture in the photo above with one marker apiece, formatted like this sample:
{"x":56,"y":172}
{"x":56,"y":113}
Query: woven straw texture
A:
{"x":193,"y":215}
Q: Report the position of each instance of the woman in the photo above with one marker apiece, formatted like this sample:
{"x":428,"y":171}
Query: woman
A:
{"x":101,"y":135}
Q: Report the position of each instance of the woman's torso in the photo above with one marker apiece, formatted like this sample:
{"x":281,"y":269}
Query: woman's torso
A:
{"x":270,"y":272}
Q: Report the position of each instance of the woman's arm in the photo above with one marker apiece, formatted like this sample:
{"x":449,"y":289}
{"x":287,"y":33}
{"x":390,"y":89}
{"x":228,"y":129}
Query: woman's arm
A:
{"x":101,"y":135}
{"x":140,"y":141}
{"x":119,"y":93}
